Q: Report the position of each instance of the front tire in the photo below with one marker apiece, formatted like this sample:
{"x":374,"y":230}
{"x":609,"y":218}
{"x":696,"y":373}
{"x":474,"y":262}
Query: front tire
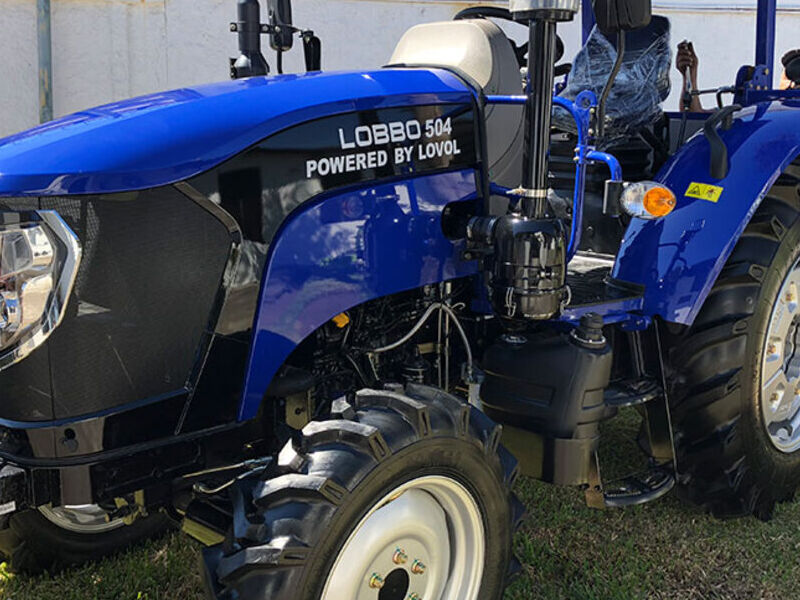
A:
{"x":399,"y":494}
{"x":53,"y":539}
{"x":726,"y":432}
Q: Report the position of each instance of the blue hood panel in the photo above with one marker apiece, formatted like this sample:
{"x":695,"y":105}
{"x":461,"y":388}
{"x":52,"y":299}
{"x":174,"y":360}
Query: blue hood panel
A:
{"x":167,"y":137}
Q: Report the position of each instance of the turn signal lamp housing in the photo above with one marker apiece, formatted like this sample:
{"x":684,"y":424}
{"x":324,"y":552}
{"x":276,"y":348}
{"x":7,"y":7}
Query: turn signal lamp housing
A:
{"x":648,"y":200}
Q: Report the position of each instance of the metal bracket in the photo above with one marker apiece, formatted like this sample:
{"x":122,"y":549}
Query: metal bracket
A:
{"x":299,"y":409}
{"x":752,"y":80}
{"x":663,"y":472}
{"x":129,"y":509}
{"x":663,"y":438}
{"x":644,"y":487}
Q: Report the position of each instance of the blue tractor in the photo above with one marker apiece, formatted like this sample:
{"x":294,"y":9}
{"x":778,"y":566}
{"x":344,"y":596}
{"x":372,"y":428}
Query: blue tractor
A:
{"x":324,"y":320}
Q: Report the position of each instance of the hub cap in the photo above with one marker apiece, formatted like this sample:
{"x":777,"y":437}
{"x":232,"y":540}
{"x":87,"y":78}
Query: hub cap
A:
{"x":780,"y":368}
{"x":86,"y":518}
{"x":422,"y":541}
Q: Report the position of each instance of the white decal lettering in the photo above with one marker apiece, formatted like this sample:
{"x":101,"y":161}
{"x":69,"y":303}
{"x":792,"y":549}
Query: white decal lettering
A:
{"x":337,"y":164}
{"x":438,"y":131}
{"x":363,"y":136}
{"x":429,"y":129}
{"x":397,"y":132}
{"x":413,"y":130}
{"x":380,"y":133}
{"x":345,"y":145}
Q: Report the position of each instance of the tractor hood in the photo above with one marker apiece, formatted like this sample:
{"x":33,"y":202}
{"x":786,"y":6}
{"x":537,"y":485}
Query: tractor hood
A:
{"x":167,"y":137}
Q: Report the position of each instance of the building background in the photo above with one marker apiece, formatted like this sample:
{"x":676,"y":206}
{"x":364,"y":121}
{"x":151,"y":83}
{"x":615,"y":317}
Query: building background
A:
{"x":106,"y":50}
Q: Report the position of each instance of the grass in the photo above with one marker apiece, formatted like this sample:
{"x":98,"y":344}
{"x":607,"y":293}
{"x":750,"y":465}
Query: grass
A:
{"x":663,"y":550}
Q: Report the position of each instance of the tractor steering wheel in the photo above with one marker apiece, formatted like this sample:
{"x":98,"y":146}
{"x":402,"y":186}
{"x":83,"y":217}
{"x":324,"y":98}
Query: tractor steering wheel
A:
{"x":521,"y":52}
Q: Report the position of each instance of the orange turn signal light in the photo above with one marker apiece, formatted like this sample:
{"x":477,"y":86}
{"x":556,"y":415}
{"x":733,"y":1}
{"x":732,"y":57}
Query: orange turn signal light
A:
{"x":659,"y":201}
{"x":648,"y":200}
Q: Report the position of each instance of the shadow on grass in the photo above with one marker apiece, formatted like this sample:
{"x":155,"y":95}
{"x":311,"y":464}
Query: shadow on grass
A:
{"x":666,"y":549}
{"x":662,"y":550}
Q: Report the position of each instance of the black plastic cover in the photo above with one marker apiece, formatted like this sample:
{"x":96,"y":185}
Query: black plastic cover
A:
{"x":280,"y":15}
{"x":622,"y":15}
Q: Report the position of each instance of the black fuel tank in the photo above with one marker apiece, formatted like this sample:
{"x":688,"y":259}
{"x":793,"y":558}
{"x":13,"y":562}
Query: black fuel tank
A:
{"x":548,"y":384}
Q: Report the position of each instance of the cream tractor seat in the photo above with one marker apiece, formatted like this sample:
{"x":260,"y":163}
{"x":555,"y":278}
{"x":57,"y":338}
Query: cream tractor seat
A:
{"x":480,"y":50}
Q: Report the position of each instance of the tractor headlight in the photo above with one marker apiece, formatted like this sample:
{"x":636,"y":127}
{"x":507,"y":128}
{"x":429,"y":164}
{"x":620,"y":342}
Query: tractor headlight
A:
{"x":39,"y":259}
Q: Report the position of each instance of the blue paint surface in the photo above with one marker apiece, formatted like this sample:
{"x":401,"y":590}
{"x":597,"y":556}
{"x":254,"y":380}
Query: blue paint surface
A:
{"x":351,"y":246}
{"x":678,"y":258}
{"x":345,"y":249}
{"x":766,"y":19}
{"x":171,"y":136}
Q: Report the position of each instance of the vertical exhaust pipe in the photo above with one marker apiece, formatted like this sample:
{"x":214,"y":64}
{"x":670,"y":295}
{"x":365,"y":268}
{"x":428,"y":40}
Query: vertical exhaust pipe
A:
{"x":251,"y":62}
{"x":541,"y":60}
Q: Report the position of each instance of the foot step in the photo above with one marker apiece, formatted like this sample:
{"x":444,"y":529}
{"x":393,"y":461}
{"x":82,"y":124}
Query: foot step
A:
{"x":639,"y":489}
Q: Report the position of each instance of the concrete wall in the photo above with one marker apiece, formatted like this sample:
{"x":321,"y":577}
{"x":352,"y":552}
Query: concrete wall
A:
{"x":105,"y":50}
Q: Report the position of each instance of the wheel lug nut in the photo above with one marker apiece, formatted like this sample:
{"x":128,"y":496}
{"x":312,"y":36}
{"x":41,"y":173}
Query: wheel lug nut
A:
{"x":399,"y":557}
{"x":417,"y":567}
{"x":376,"y":581}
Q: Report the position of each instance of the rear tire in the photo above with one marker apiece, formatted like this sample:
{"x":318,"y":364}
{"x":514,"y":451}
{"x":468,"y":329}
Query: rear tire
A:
{"x":340,"y":495}
{"x":33,"y":543}
{"x":726,"y":458}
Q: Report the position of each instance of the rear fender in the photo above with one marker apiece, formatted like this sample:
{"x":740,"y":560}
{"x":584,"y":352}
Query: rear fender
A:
{"x":678,"y":259}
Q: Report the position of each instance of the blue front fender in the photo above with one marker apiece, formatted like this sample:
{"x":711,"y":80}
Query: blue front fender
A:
{"x":325,"y":261}
{"x":678,"y":259}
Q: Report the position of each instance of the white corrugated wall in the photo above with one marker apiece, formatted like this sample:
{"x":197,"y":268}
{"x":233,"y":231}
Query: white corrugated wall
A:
{"x":106,"y":50}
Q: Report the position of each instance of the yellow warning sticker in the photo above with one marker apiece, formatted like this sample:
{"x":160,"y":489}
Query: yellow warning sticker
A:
{"x":704,"y":191}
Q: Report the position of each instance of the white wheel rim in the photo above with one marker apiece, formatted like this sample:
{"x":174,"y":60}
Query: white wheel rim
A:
{"x":422,"y":541}
{"x":85,"y":518}
{"x":780,"y":368}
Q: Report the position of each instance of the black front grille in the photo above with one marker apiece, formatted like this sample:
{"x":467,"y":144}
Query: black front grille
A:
{"x":152,"y":266}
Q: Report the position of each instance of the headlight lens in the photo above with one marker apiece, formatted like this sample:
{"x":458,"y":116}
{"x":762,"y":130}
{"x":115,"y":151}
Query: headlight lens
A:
{"x":39,"y":259}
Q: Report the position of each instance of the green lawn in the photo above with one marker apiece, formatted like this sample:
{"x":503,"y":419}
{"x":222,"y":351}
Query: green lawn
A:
{"x":662,"y":550}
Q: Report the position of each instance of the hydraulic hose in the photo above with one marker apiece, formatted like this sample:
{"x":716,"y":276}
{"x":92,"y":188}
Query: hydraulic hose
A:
{"x":440,"y":306}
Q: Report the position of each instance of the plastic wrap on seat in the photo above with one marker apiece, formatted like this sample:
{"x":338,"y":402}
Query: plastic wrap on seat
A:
{"x":641,"y":87}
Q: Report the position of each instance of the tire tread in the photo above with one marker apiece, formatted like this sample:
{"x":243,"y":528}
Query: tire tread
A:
{"x":707,"y":363}
{"x":284,"y":506}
